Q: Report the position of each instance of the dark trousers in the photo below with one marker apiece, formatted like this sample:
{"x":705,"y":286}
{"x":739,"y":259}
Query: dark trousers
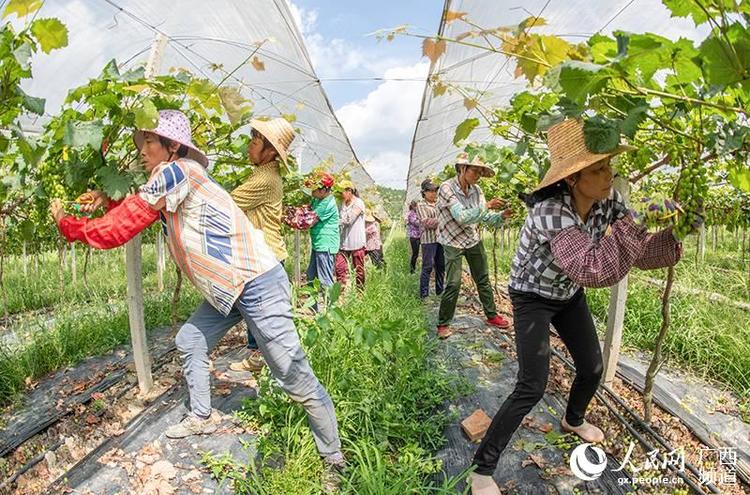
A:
{"x":377,"y":258}
{"x":477,"y":261}
{"x":432,"y":258}
{"x":414,"y":241}
{"x":532,"y":315}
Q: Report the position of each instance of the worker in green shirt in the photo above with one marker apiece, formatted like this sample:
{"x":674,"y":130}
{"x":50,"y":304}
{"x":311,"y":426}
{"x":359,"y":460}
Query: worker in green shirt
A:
{"x":324,"y":234}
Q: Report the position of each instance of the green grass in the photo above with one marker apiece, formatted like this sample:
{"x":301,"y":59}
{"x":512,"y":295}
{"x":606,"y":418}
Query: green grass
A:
{"x":378,"y":363}
{"x":77,"y":333}
{"x":106,"y":279}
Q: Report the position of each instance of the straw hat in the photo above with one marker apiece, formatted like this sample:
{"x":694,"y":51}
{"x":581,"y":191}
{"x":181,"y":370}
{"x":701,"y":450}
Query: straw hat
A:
{"x":173,"y":125}
{"x":568,"y":152}
{"x":279,"y":132}
{"x":463,"y":159}
{"x":347,"y":184}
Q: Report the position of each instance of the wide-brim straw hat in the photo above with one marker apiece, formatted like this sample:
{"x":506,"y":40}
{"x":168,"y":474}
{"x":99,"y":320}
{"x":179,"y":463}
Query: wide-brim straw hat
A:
{"x":173,"y":125}
{"x":463,"y":159}
{"x":568,"y":152}
{"x":279,"y":132}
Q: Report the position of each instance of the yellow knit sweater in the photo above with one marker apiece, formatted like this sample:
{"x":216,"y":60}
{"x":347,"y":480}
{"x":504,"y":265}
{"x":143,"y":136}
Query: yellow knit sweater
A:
{"x":260,"y":198}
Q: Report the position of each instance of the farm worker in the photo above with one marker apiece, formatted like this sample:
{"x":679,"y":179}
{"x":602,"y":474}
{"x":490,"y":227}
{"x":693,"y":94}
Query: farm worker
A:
{"x":432,"y":250}
{"x":353,"y":239}
{"x":325,"y":234}
{"x":414,"y":231}
{"x":461,"y":208}
{"x":260,"y":198}
{"x":229,"y":262}
{"x":564,"y":247}
{"x":373,"y":244}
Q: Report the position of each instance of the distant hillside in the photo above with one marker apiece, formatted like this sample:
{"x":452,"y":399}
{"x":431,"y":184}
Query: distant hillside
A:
{"x":393,"y":201}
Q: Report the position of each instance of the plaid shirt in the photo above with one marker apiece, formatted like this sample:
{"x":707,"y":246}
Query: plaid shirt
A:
{"x":558,"y":253}
{"x":427,"y":214}
{"x":459,"y":215}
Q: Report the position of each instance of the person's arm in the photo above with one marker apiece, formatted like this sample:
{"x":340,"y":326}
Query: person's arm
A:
{"x":461,"y":214}
{"x":252,"y":193}
{"x":660,"y":250}
{"x":124,"y":220}
{"x":602,"y":264}
{"x":424,"y":220}
{"x":168,"y":187}
{"x":350,"y":216}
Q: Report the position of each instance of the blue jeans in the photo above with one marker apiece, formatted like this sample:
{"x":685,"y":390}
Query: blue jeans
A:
{"x":432,"y":257}
{"x":252,"y":344}
{"x":321,"y":267}
{"x":266,"y":308}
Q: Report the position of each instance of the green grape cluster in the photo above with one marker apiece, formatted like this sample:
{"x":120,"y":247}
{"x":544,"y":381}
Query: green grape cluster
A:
{"x":693,"y":188}
{"x":51,"y":181}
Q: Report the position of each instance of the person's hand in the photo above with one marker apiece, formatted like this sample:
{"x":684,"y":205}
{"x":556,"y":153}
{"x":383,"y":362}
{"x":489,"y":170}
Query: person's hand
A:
{"x":56,"y":210}
{"x":495,"y":204}
{"x":91,"y":201}
{"x":507,"y":213}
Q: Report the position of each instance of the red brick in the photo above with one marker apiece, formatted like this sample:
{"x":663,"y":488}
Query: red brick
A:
{"x":476,"y":425}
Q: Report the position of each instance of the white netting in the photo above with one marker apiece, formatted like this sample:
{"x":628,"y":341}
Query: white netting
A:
{"x":493,"y":74}
{"x":211,"y":39}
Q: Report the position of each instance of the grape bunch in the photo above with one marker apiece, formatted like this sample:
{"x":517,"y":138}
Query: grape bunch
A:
{"x":693,"y":188}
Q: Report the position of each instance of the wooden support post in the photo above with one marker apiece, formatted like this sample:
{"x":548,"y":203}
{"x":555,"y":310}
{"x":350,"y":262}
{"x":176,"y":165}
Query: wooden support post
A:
{"x":25,"y":261}
{"x":134,"y":267}
{"x":297,"y":265}
{"x":701,"y":251}
{"x":616,"y":314}
{"x":141,"y":356}
{"x":160,"y":261}
{"x":73,"y":264}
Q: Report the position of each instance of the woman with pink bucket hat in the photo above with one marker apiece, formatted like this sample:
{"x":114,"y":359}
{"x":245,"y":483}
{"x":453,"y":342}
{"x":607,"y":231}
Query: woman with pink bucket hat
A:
{"x":228,"y":261}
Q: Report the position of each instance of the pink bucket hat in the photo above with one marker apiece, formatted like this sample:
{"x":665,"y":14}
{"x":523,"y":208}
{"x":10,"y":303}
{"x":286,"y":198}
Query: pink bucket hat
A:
{"x":173,"y":125}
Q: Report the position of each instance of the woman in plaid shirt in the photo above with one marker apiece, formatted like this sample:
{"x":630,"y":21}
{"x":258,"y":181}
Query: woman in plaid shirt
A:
{"x":578,"y":233}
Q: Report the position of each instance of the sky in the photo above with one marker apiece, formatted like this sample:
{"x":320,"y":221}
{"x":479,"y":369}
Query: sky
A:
{"x":378,"y":116}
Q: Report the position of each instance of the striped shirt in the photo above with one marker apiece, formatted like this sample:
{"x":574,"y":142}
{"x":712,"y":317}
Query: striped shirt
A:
{"x":428,"y":221}
{"x":210,"y":238}
{"x":260,"y":198}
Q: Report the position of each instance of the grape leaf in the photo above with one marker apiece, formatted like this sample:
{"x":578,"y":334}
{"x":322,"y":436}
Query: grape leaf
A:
{"x":581,"y":79}
{"x":32,"y":103}
{"x":464,"y":129}
{"x":22,"y":55}
{"x":603,"y":48}
{"x":114,"y":184}
{"x":726,"y":64}
{"x":22,"y":8}
{"x":635,"y":118}
{"x":51,"y":34}
{"x":433,"y":49}
{"x":82,"y":134}
{"x":258,"y":64}
{"x":602,"y":135}
{"x":235,"y":105}
{"x":146,"y":114}
{"x":451,"y":16}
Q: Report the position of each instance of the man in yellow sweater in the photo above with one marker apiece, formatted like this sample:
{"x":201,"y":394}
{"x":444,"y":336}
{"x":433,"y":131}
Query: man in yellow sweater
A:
{"x":260,"y":197}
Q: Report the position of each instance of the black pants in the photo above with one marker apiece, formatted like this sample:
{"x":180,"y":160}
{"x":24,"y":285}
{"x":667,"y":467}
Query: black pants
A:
{"x":377,"y":258}
{"x":414,"y":241}
{"x":432,"y":257}
{"x":532,"y":315}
